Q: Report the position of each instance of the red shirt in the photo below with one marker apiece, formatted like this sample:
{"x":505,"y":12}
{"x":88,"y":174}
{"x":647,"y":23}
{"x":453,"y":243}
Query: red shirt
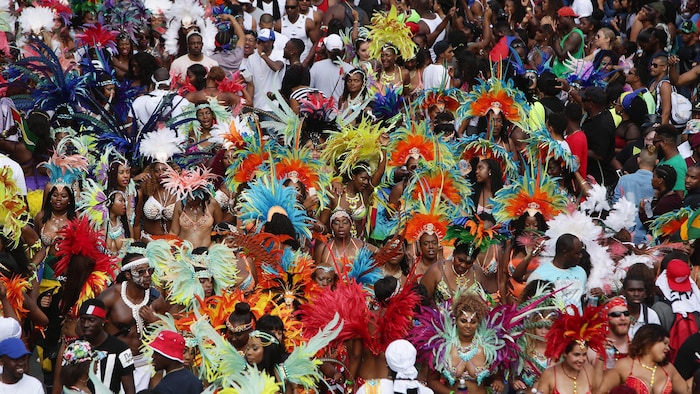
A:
{"x":579,"y":147}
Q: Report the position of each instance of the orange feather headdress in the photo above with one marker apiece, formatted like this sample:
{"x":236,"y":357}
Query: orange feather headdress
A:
{"x":426,"y":216}
{"x":530,"y":193}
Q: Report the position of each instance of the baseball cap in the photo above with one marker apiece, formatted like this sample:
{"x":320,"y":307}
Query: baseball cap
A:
{"x":13,"y":348}
{"x":567,"y":11}
{"x":595,"y":94}
{"x":657,"y":6}
{"x":678,"y":275}
{"x":9,"y":328}
{"x":169,"y":344}
{"x":333,"y":42}
{"x":265,"y":35}
{"x":688,"y":27}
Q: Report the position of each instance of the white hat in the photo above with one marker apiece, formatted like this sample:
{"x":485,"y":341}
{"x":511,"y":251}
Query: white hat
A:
{"x":266,"y":35}
{"x":9,"y":328}
{"x":333,"y":42}
{"x":401,"y":358}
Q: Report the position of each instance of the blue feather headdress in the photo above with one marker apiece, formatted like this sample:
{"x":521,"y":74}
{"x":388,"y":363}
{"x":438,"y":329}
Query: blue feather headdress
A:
{"x":267,"y":196}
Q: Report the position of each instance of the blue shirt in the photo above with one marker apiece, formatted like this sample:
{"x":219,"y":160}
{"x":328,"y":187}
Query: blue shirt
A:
{"x":574,"y":279}
{"x":634,"y":187}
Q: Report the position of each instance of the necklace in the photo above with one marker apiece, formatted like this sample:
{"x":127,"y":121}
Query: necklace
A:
{"x":135,"y":307}
{"x":396,"y":274}
{"x":573,"y":378}
{"x":352,"y":201}
{"x":59,"y":220}
{"x":461,"y":279}
{"x":467,"y":352}
{"x":653,"y":373}
{"x":116,"y":230}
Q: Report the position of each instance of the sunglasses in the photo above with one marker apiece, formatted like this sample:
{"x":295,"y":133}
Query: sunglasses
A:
{"x":618,"y":314}
{"x":142,"y":271}
{"x":290,"y":7}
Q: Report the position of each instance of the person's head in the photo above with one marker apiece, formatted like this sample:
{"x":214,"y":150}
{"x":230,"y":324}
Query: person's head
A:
{"x":197,"y":74}
{"x":194,"y":43}
{"x":634,"y":287}
{"x":618,"y":316}
{"x":239,"y":324}
{"x":547,"y":84}
{"x":463,"y":257}
{"x":575,"y":355}
{"x":650,"y":339}
{"x":263,"y":350}
{"x":665,"y":139}
{"x":659,"y":66}
{"x":360,"y":176}
{"x":118,"y":175}
{"x":594,"y":99}
{"x":334,"y":46}
{"x":355,"y":81}
{"x":647,"y":158}
{"x":389,"y":55}
{"x":488,"y":172}
{"x":341,"y":223}
{"x":168,"y":350}
{"x":60,"y":200}
{"x":605,"y":38}
{"x":650,"y":12}
{"x":468,"y":311}
{"x":574,"y":113}
{"x":529,"y":221}
{"x":14,"y":358}
{"x":280,"y":224}
{"x":556,"y":124}
{"x":291,"y":7}
{"x":688,"y":32}
{"x":401,"y":360}
{"x":273,"y":325}
{"x":568,"y":250}
{"x":77,"y":358}
{"x":293,"y":48}
{"x":565,"y":18}
{"x":429,"y":245}
{"x":205,"y":116}
{"x":443,"y":51}
{"x":664,"y":178}
{"x":324,"y":276}
{"x":137,"y":269}
{"x":692,"y":177}
{"x":362,"y":49}
{"x":250,"y":45}
{"x":92,"y":319}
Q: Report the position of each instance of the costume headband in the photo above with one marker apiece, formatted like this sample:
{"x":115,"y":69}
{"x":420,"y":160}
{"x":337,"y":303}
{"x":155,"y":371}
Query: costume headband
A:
{"x":108,"y":82}
{"x":325,"y":268}
{"x":203,"y":274}
{"x":202,"y":106}
{"x":166,"y":81}
{"x":339,"y":213}
{"x":240,"y":327}
{"x":265,"y":338}
{"x":136,"y":250}
{"x":133,"y":264}
{"x":362,"y":166}
{"x":276,"y":209}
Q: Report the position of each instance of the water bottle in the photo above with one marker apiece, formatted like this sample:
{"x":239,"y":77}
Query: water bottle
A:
{"x":610,"y":357}
{"x":462,"y":386}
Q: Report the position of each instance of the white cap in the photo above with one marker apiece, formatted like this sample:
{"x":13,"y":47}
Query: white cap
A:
{"x":9,"y":328}
{"x":333,"y":42}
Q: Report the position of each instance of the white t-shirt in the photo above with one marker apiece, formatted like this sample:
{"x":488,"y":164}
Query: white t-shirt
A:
{"x":26,"y":385}
{"x":180,"y":65}
{"x":17,"y":172}
{"x":265,"y":79}
{"x":650,"y":317}
{"x":327,"y":77}
{"x":144,"y":106}
{"x":436,"y":76}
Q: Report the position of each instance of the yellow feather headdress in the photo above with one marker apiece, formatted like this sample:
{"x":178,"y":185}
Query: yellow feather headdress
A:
{"x":387,"y":29}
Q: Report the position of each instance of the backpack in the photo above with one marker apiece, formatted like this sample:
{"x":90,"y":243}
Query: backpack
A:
{"x":681,"y":108}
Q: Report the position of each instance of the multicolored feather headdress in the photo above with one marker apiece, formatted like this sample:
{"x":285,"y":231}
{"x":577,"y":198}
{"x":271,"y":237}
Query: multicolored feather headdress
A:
{"x":94,"y":203}
{"x":79,"y":238}
{"x":353,"y":144}
{"x":14,"y":213}
{"x":476,"y":146}
{"x":587,"y":330}
{"x":387,"y":30}
{"x":297,"y":165}
{"x":192,"y":184}
{"x":414,"y":143}
{"x":499,"y":97}
{"x":530,"y":193}
{"x":473,"y":232}
{"x":64,"y":170}
{"x":426,"y":216}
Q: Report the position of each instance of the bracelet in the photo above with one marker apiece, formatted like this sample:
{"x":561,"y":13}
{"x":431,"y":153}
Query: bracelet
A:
{"x":583,"y":183}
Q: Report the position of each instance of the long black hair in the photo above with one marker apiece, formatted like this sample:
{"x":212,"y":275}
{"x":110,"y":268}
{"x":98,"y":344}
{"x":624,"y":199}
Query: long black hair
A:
{"x":47,"y":209}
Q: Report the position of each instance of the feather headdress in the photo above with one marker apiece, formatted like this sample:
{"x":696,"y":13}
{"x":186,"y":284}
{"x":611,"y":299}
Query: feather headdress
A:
{"x":446,"y":100}
{"x":60,"y":8}
{"x":670,"y":223}
{"x":79,"y":238}
{"x":587,"y":330}
{"x":98,"y":36}
{"x":297,"y":165}
{"x":414,"y":143}
{"x":63,"y":170}
{"x":80,"y":7}
{"x":14,"y":214}
{"x":267,"y":196}
{"x":452,"y":186}
{"x":542,"y":147}
{"x":15,"y":288}
{"x":426,"y":216}
{"x":190,"y":184}
{"x":530,"y":193}
{"x":183,"y":13}
{"x":33,"y":20}
{"x":387,"y":29}
{"x":486,"y":149}
{"x":290,"y":281}
{"x":353,"y":144}
{"x":497,"y":96}
{"x":473,"y":233}
{"x":247,"y":160}
{"x":231,"y":134}
{"x":161,"y":145}
{"x":94,"y":203}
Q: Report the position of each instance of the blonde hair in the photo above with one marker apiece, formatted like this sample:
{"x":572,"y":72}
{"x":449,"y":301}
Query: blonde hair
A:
{"x":614,"y":41}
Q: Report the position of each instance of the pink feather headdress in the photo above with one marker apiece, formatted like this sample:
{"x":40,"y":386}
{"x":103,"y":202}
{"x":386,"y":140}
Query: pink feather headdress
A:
{"x":189,"y":184}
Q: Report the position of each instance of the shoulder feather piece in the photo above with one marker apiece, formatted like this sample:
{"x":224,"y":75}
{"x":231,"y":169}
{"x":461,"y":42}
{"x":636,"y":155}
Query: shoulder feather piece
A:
{"x":670,"y":223}
{"x":93,"y":203}
{"x":387,"y":29}
{"x":33,"y":20}
{"x":14,"y":213}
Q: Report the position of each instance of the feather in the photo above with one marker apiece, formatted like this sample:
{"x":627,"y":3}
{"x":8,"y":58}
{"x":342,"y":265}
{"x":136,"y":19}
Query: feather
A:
{"x":189,"y":184}
{"x":15,"y":288}
{"x":596,"y":200}
{"x":587,"y":328}
{"x":387,"y":104}
{"x":98,"y":36}
{"x":386,"y":28}
{"x":250,"y":380}
{"x":13,"y":210}
{"x":534,"y":191}
{"x":93,"y":203}
{"x":498,"y":96}
{"x":353,"y":144}
{"x":161,"y":145}
{"x":623,"y":215}
{"x":34,"y":20}
{"x":365,"y":270}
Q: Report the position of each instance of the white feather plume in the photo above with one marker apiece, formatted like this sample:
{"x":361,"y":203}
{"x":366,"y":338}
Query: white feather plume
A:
{"x":601,"y":275}
{"x":209,"y":30}
{"x":33,"y":19}
{"x":576,"y":223}
{"x":628,"y":261}
{"x":158,"y":7}
{"x":7,"y":19}
{"x":187,"y":10}
{"x":596,"y":201}
{"x":623,"y":215}
{"x":161,"y":145}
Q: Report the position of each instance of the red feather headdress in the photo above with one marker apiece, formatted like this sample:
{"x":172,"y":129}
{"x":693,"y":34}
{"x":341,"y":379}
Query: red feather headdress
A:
{"x":586,"y":330}
{"x":79,"y":238}
{"x":98,"y":36}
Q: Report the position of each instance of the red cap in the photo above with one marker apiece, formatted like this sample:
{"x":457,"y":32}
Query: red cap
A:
{"x":678,"y":275}
{"x":567,"y":11}
{"x":170,"y":345}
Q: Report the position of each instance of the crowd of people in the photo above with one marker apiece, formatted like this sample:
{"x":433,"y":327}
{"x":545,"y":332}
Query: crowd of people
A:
{"x":317,"y":196}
